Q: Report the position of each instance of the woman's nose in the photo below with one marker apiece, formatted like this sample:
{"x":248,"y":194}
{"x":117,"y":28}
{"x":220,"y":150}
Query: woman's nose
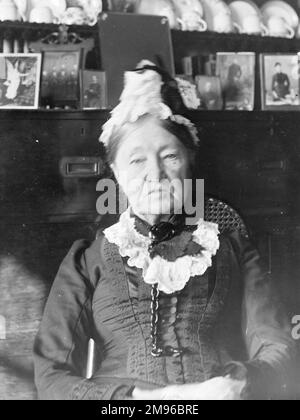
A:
{"x":155,"y":170}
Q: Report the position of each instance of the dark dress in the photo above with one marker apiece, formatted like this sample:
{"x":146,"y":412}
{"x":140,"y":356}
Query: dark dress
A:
{"x":228,"y":321}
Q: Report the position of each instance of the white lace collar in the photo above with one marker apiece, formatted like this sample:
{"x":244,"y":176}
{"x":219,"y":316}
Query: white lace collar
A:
{"x":170,"y":277}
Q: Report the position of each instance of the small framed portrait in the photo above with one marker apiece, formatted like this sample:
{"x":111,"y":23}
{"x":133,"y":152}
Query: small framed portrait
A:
{"x":20,"y":81}
{"x":93,"y":89}
{"x":237,"y":74}
{"x":210,"y":93}
{"x":280,"y":82}
{"x":60,"y":86}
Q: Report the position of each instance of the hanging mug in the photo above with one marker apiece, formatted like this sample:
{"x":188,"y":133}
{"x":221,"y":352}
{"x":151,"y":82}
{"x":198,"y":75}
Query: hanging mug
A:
{"x":192,"y":22}
{"x":278,"y":27}
{"x":252,"y":25}
{"x":158,"y":8}
{"x":222,"y":23}
{"x":190,"y":15}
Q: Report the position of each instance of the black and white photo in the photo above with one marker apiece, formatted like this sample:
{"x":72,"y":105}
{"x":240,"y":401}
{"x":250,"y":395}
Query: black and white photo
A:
{"x":280,"y":81}
{"x":237,"y":73}
{"x":149,"y":204}
{"x":61,"y":79}
{"x":94,"y":89}
{"x":19,"y":81}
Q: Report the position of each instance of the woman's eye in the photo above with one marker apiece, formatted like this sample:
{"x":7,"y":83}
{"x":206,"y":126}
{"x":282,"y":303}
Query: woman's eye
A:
{"x":137,"y":161}
{"x":171,"y":156}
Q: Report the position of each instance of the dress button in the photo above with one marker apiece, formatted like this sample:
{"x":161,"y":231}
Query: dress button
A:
{"x":174,"y":301}
{"x":173,"y":311}
{"x":172,"y":319}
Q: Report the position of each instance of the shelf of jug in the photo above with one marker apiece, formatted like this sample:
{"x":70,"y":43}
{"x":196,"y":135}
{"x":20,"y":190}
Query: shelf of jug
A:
{"x":37,"y":31}
{"x":187,"y":43}
{"x":184,"y":42}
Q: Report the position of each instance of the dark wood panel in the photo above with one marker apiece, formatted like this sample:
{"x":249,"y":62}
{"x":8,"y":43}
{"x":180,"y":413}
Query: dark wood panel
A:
{"x":31,"y":182}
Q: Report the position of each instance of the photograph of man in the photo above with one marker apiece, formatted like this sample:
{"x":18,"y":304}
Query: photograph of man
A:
{"x":92,"y":95}
{"x":94,"y":89}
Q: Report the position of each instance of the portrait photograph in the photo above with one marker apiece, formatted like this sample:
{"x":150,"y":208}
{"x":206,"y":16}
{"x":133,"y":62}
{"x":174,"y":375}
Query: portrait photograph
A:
{"x":237,"y":74}
{"x":280,"y":82}
{"x":61,"y":79}
{"x":20,"y":81}
{"x":210,"y":93}
{"x":149,"y":203}
{"x":94,"y":90}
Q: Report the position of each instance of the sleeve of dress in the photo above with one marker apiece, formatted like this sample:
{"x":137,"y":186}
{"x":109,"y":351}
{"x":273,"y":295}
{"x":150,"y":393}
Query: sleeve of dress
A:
{"x":266,"y":328}
{"x":61,"y":346}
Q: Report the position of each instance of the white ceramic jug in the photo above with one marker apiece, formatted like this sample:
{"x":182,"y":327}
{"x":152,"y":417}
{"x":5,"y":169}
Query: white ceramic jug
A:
{"x":8,"y":10}
{"x":159,"y":8}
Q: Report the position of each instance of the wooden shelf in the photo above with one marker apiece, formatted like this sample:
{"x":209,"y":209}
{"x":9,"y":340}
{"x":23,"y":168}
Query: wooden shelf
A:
{"x":35,"y":31}
{"x":196,"y":43}
{"x":185,"y":43}
{"x":260,"y":117}
{"x":55,"y":114}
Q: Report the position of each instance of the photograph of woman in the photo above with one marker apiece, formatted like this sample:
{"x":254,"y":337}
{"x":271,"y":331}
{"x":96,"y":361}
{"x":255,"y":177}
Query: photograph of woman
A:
{"x":280,"y":81}
{"x":176,"y":311}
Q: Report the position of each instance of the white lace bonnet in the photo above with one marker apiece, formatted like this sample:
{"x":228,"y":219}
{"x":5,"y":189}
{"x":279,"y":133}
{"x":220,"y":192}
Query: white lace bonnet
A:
{"x":142,"y":95}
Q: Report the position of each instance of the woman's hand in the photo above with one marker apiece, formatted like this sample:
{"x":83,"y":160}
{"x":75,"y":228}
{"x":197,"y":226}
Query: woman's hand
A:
{"x":217,"y":389}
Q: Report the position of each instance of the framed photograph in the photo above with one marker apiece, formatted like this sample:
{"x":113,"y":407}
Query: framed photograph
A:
{"x":188,"y":90}
{"x":280,"y":82}
{"x":93,"y":89}
{"x":20,"y":81}
{"x":237,"y":74}
{"x":61,"y":79}
{"x":210,"y":93}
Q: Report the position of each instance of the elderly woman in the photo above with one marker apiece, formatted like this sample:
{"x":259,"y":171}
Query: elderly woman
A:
{"x":177,"y":311}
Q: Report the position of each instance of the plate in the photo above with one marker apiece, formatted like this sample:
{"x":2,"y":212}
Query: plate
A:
{"x":241,"y":9}
{"x":280,"y":9}
{"x":213,"y":8}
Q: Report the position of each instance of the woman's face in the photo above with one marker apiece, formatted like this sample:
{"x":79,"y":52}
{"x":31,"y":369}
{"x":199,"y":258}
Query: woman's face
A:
{"x":151,"y":165}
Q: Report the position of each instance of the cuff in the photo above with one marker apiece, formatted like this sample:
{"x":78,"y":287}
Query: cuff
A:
{"x":240,"y":372}
{"x":259,"y":376}
{"x":123,"y":393}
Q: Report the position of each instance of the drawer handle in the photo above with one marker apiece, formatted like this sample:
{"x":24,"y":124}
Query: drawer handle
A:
{"x":81,"y":167}
{"x":273,"y":165}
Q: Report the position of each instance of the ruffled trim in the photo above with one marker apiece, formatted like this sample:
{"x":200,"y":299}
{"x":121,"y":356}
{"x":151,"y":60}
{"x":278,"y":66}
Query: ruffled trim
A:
{"x":142,"y":96}
{"x":171,"y":277}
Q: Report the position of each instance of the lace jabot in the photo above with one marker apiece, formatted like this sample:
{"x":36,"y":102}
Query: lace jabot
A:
{"x":171,"y":275}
